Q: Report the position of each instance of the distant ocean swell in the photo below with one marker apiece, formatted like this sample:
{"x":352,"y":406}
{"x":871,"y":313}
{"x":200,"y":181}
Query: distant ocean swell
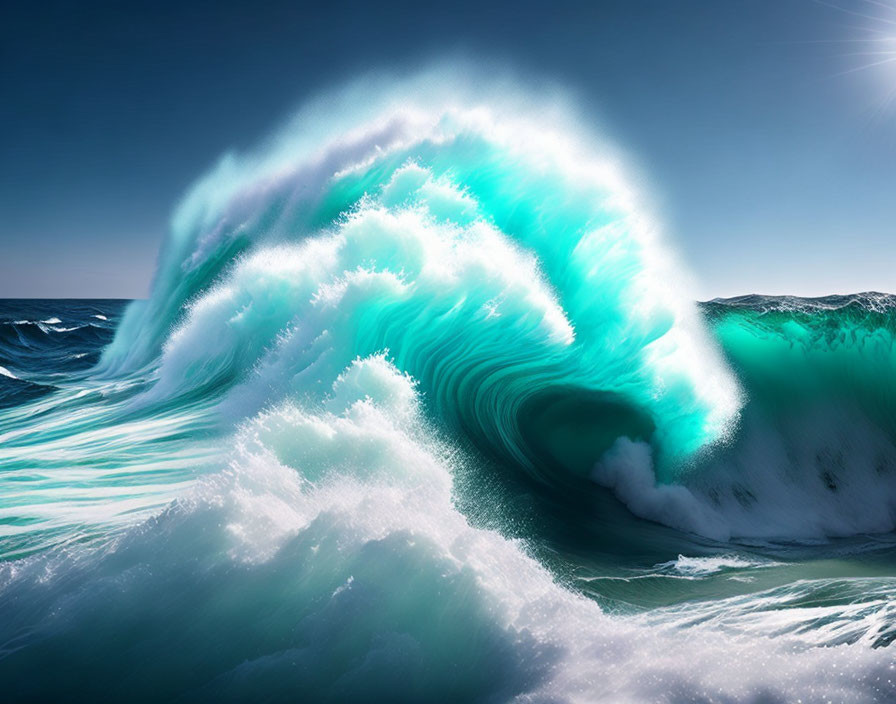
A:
{"x":355,"y":443}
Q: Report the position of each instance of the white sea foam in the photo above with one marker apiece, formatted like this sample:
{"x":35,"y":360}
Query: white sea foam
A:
{"x":827,"y":475}
{"x":710,"y":565}
{"x":332,"y":547}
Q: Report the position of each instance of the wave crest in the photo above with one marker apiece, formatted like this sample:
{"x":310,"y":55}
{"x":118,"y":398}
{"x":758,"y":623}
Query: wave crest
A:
{"x":500,"y":261}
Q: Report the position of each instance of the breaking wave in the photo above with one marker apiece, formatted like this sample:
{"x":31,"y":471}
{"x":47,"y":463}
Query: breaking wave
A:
{"x":379,"y":353}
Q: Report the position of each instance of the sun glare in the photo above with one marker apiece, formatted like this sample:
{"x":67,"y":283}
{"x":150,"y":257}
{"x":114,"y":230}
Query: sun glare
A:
{"x":869,"y":50}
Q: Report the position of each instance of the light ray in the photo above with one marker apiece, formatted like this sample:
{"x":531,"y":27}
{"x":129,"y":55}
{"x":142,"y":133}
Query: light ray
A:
{"x":868,"y":53}
{"x":881,"y":4}
{"x":866,"y":66}
{"x":871,"y":46}
{"x":856,"y":14}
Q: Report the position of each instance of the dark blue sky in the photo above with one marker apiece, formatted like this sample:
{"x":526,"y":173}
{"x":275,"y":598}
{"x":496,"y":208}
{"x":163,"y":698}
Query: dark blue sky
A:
{"x":770,"y":159}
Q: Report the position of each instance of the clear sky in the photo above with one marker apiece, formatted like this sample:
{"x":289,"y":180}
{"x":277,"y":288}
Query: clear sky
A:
{"x":769,"y":152}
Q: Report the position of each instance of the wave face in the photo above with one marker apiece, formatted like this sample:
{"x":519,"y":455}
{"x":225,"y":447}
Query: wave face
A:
{"x":358,"y":442}
{"x":821,"y":420}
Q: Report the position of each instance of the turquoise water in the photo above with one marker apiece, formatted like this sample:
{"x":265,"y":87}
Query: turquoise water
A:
{"x":420,"y":409}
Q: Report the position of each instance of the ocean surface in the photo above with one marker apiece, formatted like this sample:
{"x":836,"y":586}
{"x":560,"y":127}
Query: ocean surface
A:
{"x":420,"y":409}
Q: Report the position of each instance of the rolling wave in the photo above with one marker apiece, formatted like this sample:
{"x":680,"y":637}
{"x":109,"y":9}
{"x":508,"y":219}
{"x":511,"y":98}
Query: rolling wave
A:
{"x":502,"y":265}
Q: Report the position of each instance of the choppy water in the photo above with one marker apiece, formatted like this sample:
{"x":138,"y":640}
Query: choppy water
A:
{"x":418,"y":410}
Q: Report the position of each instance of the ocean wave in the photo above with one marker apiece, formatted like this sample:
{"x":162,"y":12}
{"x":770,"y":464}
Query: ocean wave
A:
{"x":408,"y":282}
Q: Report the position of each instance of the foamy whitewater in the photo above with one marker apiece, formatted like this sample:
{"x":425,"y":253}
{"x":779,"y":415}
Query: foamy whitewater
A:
{"x":420,"y":408}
